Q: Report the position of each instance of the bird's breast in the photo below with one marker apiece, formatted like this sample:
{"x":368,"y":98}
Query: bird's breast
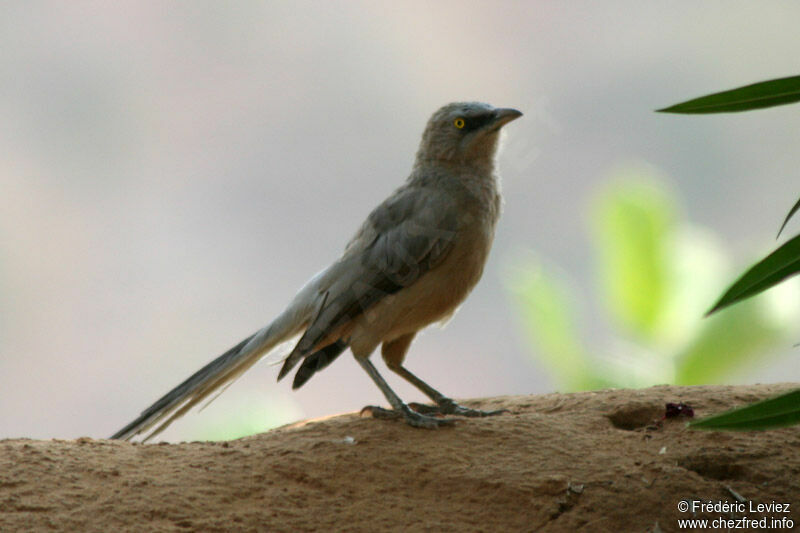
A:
{"x":439,"y":292}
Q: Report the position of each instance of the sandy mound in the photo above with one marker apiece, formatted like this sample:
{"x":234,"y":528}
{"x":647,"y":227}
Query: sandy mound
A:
{"x":559,"y":462}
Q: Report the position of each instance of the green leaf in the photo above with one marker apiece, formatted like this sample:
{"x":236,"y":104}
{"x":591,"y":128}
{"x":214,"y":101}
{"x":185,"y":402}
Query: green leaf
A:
{"x":789,"y":216}
{"x":758,"y":95}
{"x":633,"y":222}
{"x":543,"y":300}
{"x":725,"y":343}
{"x":777,"y":266}
{"x":777,"y":412}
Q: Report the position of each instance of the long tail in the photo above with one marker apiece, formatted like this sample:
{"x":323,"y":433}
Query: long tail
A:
{"x":218,"y":373}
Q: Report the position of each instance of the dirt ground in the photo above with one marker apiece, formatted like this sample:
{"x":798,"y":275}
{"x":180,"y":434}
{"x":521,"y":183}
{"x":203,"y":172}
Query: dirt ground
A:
{"x":594,"y":461}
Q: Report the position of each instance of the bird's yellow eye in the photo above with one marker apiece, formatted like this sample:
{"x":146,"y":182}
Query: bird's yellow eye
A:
{"x":458,"y":123}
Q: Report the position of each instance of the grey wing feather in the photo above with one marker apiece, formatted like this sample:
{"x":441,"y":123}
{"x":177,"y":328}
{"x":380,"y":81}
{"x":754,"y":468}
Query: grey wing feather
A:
{"x":402,"y":239}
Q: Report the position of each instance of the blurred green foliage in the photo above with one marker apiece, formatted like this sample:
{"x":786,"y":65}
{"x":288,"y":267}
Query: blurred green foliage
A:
{"x":655,"y":276}
{"x":241,"y":413}
{"x":631,"y":224}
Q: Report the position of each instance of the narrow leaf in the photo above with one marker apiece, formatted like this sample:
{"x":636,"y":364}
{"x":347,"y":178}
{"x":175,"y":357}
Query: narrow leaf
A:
{"x":777,"y":266}
{"x":758,"y":95}
{"x":791,"y":213}
{"x":772,"y":413}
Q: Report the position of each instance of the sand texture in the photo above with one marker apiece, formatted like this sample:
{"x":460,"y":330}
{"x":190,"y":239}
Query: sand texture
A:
{"x":594,"y":461}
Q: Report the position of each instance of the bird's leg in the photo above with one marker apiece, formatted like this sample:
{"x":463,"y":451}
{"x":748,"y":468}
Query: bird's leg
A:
{"x":444,"y":405}
{"x":399,"y":408}
{"x":393,"y":354}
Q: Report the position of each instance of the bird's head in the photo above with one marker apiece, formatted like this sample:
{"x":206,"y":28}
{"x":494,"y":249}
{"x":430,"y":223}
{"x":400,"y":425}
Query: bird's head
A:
{"x":464,"y":133}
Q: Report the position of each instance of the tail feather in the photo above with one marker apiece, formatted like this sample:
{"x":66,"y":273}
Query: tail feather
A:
{"x":220,"y":372}
{"x":318,"y":361}
{"x":305,"y":345}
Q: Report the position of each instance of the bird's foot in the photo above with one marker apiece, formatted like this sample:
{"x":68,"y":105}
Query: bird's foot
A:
{"x":411,"y":417}
{"x":446,"y":406}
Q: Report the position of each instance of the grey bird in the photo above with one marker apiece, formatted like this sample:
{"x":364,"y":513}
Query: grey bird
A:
{"x":411,"y":263}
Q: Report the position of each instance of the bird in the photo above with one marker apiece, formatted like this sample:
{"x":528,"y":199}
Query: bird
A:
{"x":412,"y":263}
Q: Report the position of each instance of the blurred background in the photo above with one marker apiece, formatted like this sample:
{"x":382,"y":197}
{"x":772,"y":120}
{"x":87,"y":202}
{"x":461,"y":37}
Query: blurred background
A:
{"x":173,"y":173}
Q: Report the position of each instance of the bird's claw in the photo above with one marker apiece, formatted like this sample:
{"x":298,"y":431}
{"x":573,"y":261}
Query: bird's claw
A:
{"x":411,"y":417}
{"x":447,"y":406}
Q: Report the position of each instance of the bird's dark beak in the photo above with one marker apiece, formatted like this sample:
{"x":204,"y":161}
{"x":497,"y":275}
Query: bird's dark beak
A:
{"x":503,"y":116}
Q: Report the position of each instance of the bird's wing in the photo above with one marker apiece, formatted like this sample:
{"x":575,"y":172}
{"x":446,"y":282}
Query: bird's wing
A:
{"x":402,"y":239}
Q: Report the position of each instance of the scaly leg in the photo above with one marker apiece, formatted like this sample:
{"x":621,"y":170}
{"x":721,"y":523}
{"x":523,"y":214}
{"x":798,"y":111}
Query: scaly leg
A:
{"x":400,"y":409}
{"x":394,"y":353}
{"x":444,"y":405}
